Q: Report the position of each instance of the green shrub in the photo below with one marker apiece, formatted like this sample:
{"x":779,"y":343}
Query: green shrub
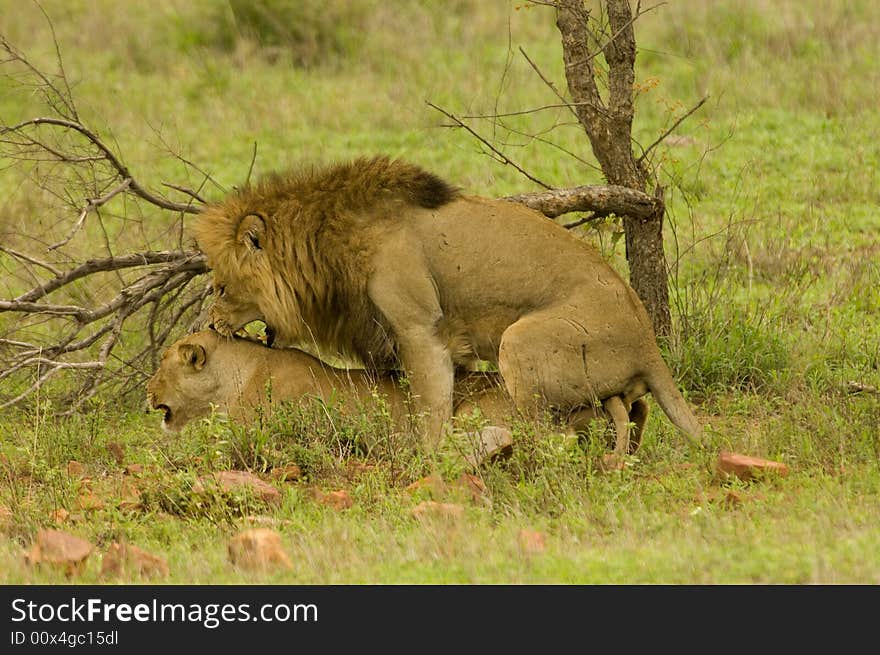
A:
{"x":740,"y":352}
{"x":307,"y":33}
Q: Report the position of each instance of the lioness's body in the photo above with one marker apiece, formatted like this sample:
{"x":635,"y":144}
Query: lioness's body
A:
{"x":382,"y":260}
{"x":205,"y":371}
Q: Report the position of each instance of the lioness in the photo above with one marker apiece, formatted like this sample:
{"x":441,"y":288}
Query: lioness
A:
{"x":237,"y":376}
{"x":385,"y":261}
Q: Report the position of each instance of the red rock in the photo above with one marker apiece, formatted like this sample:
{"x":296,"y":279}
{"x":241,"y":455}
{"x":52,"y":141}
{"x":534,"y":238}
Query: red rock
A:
{"x":258,"y":548}
{"x":57,"y":548}
{"x":125,"y":560}
{"x":237,"y":481}
{"x":288,"y":473}
{"x":429,"y":510}
{"x":338,"y":500}
{"x":489,"y":444}
{"x":60,"y":515}
{"x":75,"y":469}
{"x":746,"y":467}
{"x":134,"y":469}
{"x":433,"y":484}
{"x":531,"y":541}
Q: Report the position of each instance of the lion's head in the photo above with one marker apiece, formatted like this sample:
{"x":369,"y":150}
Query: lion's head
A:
{"x":188,"y":383}
{"x":234,"y":305}
{"x":265,"y":246}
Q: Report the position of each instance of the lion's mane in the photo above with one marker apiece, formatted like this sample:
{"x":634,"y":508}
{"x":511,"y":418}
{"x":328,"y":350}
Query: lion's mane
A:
{"x":320,"y":219}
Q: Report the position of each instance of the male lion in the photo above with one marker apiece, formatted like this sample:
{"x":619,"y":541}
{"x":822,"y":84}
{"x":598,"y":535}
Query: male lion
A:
{"x":238,"y":376}
{"x":385,"y":261}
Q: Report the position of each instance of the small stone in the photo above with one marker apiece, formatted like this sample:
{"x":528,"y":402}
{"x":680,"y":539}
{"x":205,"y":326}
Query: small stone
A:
{"x":489,"y":444}
{"x":429,"y":510}
{"x":338,"y":500}
{"x":75,"y":469}
{"x":288,"y":473}
{"x":746,"y":467}
{"x":531,"y":541}
{"x":134,"y":469}
{"x":59,"y":515}
{"x":239,"y":480}
{"x":125,"y":560}
{"x":258,"y":549}
{"x":57,"y":548}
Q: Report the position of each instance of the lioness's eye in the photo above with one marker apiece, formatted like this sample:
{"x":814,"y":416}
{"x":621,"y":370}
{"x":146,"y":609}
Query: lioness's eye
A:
{"x":221,"y":290}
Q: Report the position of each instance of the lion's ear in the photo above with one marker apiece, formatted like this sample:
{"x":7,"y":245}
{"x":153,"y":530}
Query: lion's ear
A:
{"x":193,"y":354}
{"x":252,"y":231}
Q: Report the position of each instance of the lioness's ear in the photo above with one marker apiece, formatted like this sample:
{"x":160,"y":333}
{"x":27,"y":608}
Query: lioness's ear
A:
{"x":193,"y":354}
{"x":252,"y":231}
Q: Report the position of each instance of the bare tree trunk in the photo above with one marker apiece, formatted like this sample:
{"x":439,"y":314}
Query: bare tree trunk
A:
{"x":608,"y":124}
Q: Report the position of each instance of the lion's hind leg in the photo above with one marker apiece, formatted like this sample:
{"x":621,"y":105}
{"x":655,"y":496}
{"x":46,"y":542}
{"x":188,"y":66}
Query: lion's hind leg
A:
{"x":638,"y":417}
{"x":542,"y":359}
{"x":616,"y":409}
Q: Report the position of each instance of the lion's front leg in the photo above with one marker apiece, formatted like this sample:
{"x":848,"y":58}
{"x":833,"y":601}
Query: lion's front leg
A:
{"x":403,"y":289}
{"x":430,"y":373}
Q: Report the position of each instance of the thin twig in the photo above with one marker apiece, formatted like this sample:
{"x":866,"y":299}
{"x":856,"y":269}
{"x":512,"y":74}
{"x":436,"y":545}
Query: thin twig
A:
{"x":584,"y":219}
{"x":672,"y":129}
{"x":111,"y":158}
{"x":192,"y":194}
{"x":550,"y":84}
{"x":247,"y":179}
{"x":30,"y":259}
{"x":188,"y":259}
{"x":91,"y":205}
{"x":525,"y":111}
{"x":503,"y":158}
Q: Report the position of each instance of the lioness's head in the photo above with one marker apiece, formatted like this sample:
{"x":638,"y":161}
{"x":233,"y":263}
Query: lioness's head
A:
{"x":187,"y":382}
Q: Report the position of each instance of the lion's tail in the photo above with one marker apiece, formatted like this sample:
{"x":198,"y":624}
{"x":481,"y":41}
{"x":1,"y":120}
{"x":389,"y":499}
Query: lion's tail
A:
{"x":667,"y":395}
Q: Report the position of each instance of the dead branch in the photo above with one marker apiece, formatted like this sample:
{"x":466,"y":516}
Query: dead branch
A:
{"x":607,"y":199}
{"x":107,"y":154}
{"x":71,"y":312}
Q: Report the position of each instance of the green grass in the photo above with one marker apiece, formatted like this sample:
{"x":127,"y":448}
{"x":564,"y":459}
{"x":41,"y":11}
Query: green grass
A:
{"x":773,"y":193}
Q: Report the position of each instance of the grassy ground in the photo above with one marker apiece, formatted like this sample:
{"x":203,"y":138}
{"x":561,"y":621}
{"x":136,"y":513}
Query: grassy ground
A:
{"x":773,"y":240}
